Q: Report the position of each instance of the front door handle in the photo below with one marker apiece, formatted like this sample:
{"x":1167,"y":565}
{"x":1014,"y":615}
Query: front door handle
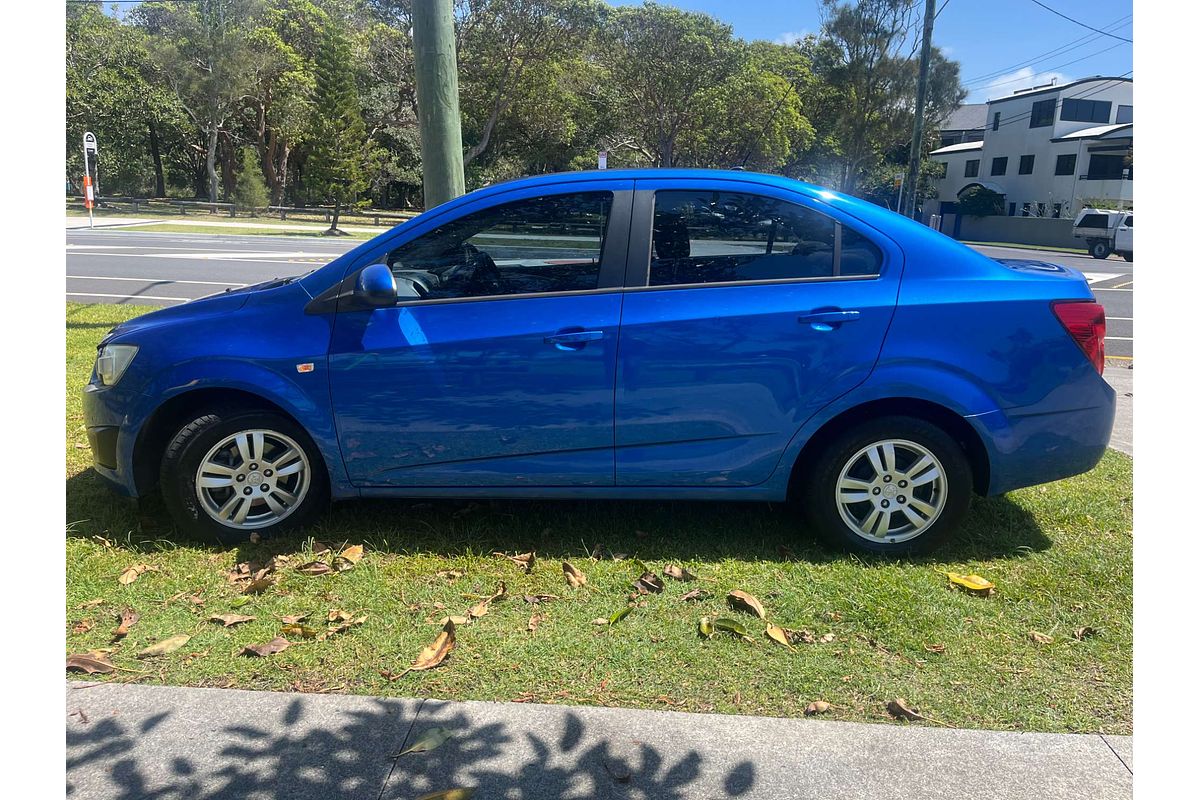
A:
{"x":828,"y":320}
{"x":573,"y":339}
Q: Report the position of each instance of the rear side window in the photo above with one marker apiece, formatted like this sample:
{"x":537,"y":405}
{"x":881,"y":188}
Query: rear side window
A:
{"x":1093,"y":221}
{"x":726,"y":237}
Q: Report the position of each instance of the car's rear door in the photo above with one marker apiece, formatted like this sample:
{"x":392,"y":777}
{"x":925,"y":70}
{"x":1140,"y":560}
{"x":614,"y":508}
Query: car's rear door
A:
{"x":497,"y":375}
{"x":749,"y":308}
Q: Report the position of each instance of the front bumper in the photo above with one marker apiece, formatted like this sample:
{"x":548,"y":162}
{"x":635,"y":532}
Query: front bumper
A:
{"x":109,"y":436}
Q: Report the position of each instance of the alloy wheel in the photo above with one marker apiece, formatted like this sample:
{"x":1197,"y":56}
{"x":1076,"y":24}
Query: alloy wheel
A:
{"x":253,"y":479}
{"x":891,"y":491}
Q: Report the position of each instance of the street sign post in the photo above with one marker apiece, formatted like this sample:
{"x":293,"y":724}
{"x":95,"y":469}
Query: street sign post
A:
{"x":89,"y":146}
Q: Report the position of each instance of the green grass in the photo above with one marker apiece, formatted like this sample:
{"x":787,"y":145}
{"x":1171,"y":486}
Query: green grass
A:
{"x":249,"y":230}
{"x":1060,"y":556}
{"x":1075,"y":250}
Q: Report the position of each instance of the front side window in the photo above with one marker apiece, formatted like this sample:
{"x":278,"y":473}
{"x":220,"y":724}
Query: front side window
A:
{"x":1000,"y":165}
{"x":1065,"y":165}
{"x":1042,"y":114}
{"x":542,"y":244}
{"x":972,"y":169}
{"x":723,"y":237}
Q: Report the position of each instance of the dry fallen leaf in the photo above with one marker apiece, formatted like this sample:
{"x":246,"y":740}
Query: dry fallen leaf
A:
{"x":353,"y":553}
{"x":479,"y":609}
{"x":450,"y":574}
{"x":168,"y":645}
{"x":678,"y":573}
{"x":900,"y":709}
{"x":83,"y":626}
{"x":972,"y":583}
{"x":457,"y":620}
{"x":429,"y":740}
{"x":314,"y":568}
{"x":1084,"y":632}
{"x":648,"y":583}
{"x":1040,"y":638}
{"x":778,"y":634}
{"x":600,"y":621}
{"x":534,"y":621}
{"x":535,"y":599}
{"x":695,"y":594}
{"x":291,"y":619}
{"x":91,"y":664}
{"x":827,"y":638}
{"x":449,"y":794}
{"x":746,"y":602}
{"x":816,"y":707}
{"x":276,"y":645}
{"x":574,"y":577}
{"x":433,"y":654}
{"x":342,"y":627}
{"x":804,"y":637}
{"x":936,"y":648}
{"x":131,"y":573}
{"x":229,"y":620}
{"x":303,"y":631}
{"x":91,"y":603}
{"x":129,"y":618}
{"x":524,"y":560}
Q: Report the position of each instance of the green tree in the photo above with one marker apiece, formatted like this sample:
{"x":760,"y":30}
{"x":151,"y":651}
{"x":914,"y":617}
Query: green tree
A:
{"x":661,"y":60}
{"x":336,"y":167}
{"x":978,"y":201}
{"x":251,"y":192}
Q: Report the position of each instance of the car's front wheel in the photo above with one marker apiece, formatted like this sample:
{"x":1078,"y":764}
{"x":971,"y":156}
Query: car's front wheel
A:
{"x":892,"y":485}
{"x":227,"y":475}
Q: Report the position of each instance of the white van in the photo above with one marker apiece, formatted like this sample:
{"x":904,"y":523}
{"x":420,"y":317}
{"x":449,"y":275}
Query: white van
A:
{"x":1105,"y":232}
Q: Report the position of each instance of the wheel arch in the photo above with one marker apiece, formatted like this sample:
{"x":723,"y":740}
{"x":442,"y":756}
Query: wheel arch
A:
{"x":946,"y":419}
{"x":166,"y":420}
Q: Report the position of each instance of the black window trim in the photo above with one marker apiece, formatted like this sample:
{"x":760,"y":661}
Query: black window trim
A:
{"x":641,"y":233}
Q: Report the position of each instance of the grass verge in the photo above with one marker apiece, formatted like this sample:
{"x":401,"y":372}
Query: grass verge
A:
{"x":249,"y":230}
{"x":1060,"y":556}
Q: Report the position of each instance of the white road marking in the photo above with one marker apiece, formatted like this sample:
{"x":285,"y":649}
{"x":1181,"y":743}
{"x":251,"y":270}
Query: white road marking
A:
{"x":1119,"y":338}
{"x":131,"y":296}
{"x":1095,"y":277}
{"x":220,"y":255}
{"x":1104,"y":289}
{"x":152,"y":280}
{"x":1121,"y":319}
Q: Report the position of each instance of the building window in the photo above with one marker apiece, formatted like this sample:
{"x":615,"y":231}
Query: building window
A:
{"x":1056,"y":211}
{"x":1042,"y":114}
{"x":1105,"y":167}
{"x":1000,"y":165}
{"x":1075,"y":110}
{"x":1026,"y":166}
{"x":1065,"y":165}
{"x":972,"y":170}
{"x":1024,"y":209}
{"x":996,"y":121}
{"x":1124,"y":114}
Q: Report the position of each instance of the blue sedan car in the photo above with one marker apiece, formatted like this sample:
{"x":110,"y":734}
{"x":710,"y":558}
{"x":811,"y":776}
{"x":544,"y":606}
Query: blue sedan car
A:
{"x":666,"y":334}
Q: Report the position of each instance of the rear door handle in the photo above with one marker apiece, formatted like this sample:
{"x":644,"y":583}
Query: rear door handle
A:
{"x":573,"y":340}
{"x":828,"y":320}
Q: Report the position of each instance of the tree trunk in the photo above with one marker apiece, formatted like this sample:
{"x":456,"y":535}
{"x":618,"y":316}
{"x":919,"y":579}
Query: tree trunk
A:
{"x":210,"y":164}
{"x":160,"y":185}
{"x":337,"y":210}
{"x":228,"y":156}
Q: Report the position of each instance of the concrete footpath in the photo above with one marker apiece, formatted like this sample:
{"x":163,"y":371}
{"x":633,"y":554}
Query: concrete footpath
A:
{"x":130,"y":741}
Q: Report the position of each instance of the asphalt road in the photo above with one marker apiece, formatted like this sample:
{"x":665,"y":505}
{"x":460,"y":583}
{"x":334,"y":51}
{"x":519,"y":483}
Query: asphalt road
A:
{"x":113,"y":266}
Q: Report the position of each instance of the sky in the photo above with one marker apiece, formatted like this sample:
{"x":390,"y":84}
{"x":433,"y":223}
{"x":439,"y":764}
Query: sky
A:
{"x":1002,"y":46}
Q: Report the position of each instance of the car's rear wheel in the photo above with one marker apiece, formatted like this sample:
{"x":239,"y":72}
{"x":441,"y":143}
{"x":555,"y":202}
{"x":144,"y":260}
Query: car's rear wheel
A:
{"x":891,"y":485}
{"x":230,"y":475}
{"x":1099,"y":249}
{"x":1127,"y":256}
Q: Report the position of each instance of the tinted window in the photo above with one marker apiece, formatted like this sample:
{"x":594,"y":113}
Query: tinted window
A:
{"x":1085,"y":110}
{"x":1124,"y":114}
{"x":1065,"y":165}
{"x":1103,"y":167}
{"x":1042,"y":114}
{"x":1026,"y":166}
{"x":720,"y":237}
{"x":996,"y":121}
{"x":543,"y":244}
{"x":1000,"y":165}
{"x":1129,"y":222}
{"x":972,"y":169}
{"x":1093,"y":221}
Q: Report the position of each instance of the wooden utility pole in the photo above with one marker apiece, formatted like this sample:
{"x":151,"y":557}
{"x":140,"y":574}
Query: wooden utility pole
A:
{"x":437,"y":101}
{"x":914,"y":159}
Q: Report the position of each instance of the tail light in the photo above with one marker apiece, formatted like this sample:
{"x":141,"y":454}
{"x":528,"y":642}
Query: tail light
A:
{"x":1084,"y":320}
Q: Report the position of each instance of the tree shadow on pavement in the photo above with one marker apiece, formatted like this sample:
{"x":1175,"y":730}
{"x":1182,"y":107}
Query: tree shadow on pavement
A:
{"x":309,"y":747}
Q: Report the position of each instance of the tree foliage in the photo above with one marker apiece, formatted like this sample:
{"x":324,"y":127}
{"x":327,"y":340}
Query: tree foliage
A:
{"x":322,"y":91}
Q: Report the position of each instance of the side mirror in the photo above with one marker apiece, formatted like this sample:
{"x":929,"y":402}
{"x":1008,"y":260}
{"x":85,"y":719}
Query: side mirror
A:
{"x":376,"y":286}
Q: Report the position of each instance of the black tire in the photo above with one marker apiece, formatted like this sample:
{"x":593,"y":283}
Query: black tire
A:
{"x":818,"y":493}
{"x":181,"y":462}
{"x":1099,"y":249}
{"x":1127,"y":256}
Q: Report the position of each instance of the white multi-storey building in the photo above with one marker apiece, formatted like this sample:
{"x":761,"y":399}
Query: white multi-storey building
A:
{"x":1047,"y":150}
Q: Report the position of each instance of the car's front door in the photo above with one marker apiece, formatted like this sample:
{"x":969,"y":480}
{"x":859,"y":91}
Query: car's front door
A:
{"x":496,"y":367}
{"x":756,"y":308}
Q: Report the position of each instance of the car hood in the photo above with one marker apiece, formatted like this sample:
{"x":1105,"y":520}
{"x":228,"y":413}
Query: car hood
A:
{"x":224,"y":302}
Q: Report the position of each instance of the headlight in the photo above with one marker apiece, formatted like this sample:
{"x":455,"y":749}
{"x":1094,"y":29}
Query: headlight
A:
{"x":112,"y":360}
